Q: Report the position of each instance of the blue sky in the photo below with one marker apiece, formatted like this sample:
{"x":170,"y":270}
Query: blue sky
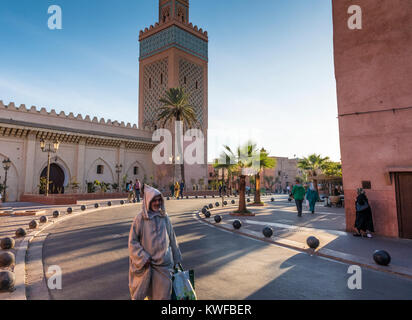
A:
{"x":271,"y":74}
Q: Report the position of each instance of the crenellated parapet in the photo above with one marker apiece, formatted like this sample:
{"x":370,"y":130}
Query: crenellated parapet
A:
{"x":62,"y":115}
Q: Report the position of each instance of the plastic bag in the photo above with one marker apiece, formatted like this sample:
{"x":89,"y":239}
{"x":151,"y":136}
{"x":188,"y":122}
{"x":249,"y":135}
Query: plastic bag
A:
{"x":182,"y":287}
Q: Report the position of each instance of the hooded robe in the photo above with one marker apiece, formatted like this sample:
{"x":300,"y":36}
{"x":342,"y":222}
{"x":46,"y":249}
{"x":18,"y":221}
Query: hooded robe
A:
{"x":152,"y":238}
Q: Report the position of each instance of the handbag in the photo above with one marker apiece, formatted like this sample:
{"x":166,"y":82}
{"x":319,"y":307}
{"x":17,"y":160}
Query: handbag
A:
{"x":183,"y":284}
{"x":361,"y":207}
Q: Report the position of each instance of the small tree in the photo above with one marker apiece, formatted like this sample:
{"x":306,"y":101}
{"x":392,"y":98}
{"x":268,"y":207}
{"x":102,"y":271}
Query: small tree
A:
{"x":313,"y":165}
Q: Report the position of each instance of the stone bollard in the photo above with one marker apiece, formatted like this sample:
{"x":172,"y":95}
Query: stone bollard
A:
{"x":382,"y":257}
{"x":267,"y":232}
{"x":204,"y":197}
{"x":69,"y":210}
{"x":273,"y":199}
{"x":83,"y":208}
{"x":233,"y":201}
{"x":7,"y":259}
{"x":33,"y":224}
{"x":109,"y":204}
{"x":204,"y":210}
{"x":313,"y":242}
{"x":7,"y":280}
{"x":225,"y":203}
{"x":56,"y":214}
{"x":122,"y":201}
{"x":20,"y":232}
{"x":7,"y":243}
{"x":237,"y":224}
{"x":96,"y":205}
{"x":217,"y":204}
{"x":210,"y":206}
{"x":43,"y":219}
{"x":218,"y":219}
{"x":208,"y":214}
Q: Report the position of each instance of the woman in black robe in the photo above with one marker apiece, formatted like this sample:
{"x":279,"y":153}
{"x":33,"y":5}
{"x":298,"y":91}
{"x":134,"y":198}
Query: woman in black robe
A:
{"x":364,"y":220}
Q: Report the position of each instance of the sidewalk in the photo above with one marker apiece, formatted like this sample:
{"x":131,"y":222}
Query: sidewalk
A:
{"x":327,"y":224}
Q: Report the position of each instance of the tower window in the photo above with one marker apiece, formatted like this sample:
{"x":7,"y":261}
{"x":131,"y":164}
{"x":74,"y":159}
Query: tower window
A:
{"x":161,"y":78}
{"x":164,"y":19}
{"x":136,"y":171}
{"x":100,"y":169}
{"x":184,"y":80}
{"x":150,"y":83}
{"x":183,"y":18}
{"x":197,"y":85}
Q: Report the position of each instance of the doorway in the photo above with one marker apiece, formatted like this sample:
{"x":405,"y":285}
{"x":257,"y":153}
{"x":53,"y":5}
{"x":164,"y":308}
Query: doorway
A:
{"x":404,"y":204}
{"x":57,"y":178}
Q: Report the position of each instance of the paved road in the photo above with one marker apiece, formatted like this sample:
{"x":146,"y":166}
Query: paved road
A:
{"x":92,"y":252}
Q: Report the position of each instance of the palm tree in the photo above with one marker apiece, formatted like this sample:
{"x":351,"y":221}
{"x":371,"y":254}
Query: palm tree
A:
{"x":242,"y":158}
{"x":176,"y":107}
{"x":313,"y":165}
{"x":265,"y":162}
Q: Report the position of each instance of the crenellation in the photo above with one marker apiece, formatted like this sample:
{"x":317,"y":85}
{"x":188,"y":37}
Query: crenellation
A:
{"x":43,"y":111}
{"x":161,"y":26}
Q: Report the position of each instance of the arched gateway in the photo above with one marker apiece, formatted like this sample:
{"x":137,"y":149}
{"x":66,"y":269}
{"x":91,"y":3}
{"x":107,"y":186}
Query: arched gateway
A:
{"x":57,"y":178}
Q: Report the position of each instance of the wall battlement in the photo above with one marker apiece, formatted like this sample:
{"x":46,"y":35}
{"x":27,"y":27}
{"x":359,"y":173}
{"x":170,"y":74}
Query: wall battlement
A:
{"x":22,"y":108}
{"x":163,"y":25}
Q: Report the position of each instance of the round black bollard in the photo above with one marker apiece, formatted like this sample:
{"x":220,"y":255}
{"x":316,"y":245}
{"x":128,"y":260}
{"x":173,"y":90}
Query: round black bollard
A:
{"x":33,"y":224}
{"x":56,"y":214}
{"x":168,"y":198}
{"x":273,"y":199}
{"x":7,"y":243}
{"x":267,"y":232}
{"x":217,"y":204}
{"x":204,"y":197}
{"x":109,"y":204}
{"x":96,"y":205}
{"x":204,"y":210}
{"x":196,"y":197}
{"x":43,"y":219}
{"x":20,"y":232}
{"x":208,"y":214}
{"x":237,"y":224}
{"x":83,"y":208}
{"x":233,"y":201}
{"x":382,"y":257}
{"x":213,"y":196}
{"x":69,"y":210}
{"x":187,"y":197}
{"x":7,"y":280}
{"x":134,"y":201}
{"x":313,"y":242}
{"x":122,"y":201}
{"x":218,"y":219}
{"x":7,"y":259}
{"x":225,"y":203}
{"x":210,"y":206}
{"x":248,"y":200}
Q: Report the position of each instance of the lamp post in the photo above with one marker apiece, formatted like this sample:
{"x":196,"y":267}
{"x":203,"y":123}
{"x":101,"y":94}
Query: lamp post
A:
{"x":49,"y":149}
{"x":6,"y":167}
{"x":119,"y":168}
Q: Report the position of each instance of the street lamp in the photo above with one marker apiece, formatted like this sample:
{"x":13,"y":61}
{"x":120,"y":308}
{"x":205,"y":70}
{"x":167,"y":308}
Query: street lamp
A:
{"x":6,"y":167}
{"x":119,"y":168}
{"x":47,"y":147}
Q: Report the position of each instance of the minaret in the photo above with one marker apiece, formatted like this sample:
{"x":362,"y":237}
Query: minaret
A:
{"x":174,"y":53}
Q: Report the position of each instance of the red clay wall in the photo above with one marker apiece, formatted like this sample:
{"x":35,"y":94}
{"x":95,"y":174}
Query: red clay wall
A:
{"x":373,"y":69}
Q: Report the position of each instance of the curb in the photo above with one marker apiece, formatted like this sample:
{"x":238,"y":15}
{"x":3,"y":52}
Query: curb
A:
{"x":20,"y":267}
{"x":323,"y":252}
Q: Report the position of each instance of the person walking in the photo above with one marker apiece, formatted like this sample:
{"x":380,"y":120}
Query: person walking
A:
{"x":130,"y":190}
{"x":172,"y":190}
{"x":312,"y":196}
{"x":177,"y":189}
{"x":153,"y":250}
{"x":364,"y":220}
{"x":137,"y":190}
{"x":298,"y":193}
{"x":181,"y":188}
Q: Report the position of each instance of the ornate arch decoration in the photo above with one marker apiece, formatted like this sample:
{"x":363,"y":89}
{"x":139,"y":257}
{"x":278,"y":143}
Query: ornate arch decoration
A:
{"x":138,"y":164}
{"x":106,"y":164}
{"x":62,"y":164}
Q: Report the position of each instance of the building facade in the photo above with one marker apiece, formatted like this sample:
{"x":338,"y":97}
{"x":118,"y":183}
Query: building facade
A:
{"x":174,"y":53}
{"x":373,"y":69}
{"x":90,"y":150}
